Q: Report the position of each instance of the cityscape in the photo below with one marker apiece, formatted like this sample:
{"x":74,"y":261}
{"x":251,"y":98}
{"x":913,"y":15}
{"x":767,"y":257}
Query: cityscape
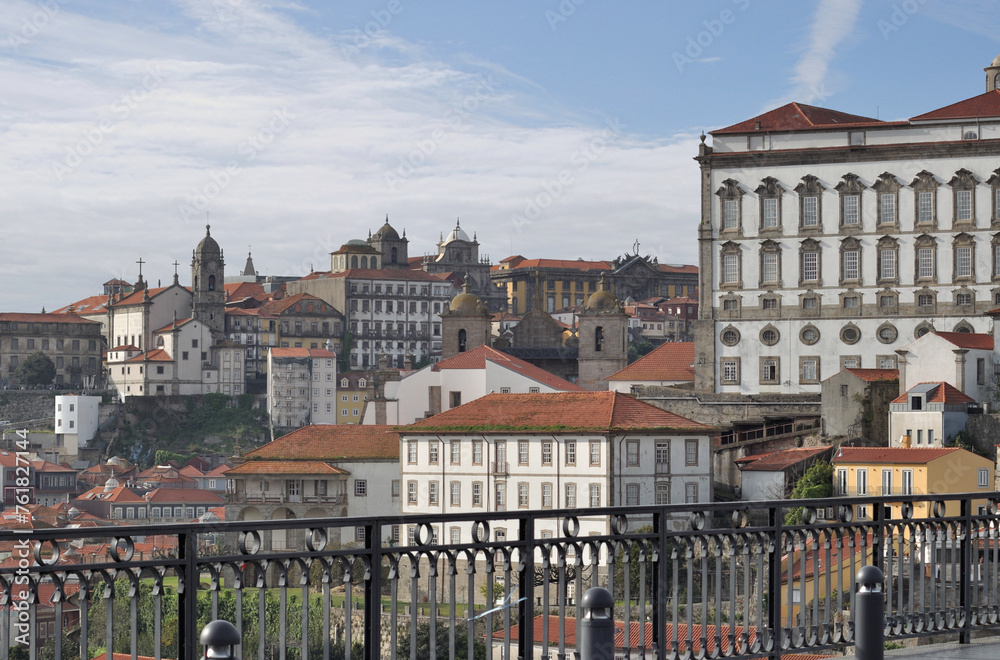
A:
{"x":412,"y":428}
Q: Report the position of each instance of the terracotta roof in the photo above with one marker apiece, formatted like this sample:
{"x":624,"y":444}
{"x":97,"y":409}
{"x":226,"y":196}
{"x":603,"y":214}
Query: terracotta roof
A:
{"x":578,"y":264}
{"x":285,"y":304}
{"x":124,"y":347}
{"x":285,"y":467}
{"x":240,"y":290}
{"x":562,"y":411}
{"x":479,"y":356}
{"x":168,"y":495}
{"x":47,"y":466}
{"x":137,"y":297}
{"x":377,"y":274}
{"x":155,"y":355}
{"x":43,"y":318}
{"x":118,"y":494}
{"x":170,"y":326}
{"x":190,"y":471}
{"x":840,"y":551}
{"x":671,"y":361}
{"x":873,"y":375}
{"x":330,"y":442}
{"x":302,"y":353}
{"x":685,"y":268}
{"x":944,"y":393}
{"x":682,"y":300}
{"x":894,"y":455}
{"x":971,"y":340}
{"x":798,"y":117}
{"x":777,"y":461}
{"x":984,"y":105}
{"x":91,"y":305}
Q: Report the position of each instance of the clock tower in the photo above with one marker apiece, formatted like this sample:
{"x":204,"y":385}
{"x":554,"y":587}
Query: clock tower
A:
{"x":209,"y":302}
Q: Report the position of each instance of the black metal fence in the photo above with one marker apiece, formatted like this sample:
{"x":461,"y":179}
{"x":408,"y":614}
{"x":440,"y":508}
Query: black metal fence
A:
{"x":735,"y":580}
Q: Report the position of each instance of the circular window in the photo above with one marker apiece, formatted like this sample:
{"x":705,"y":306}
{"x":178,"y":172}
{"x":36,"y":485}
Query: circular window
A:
{"x":850,"y":334}
{"x":887,"y":333}
{"x":922,"y":330}
{"x":730,"y":336}
{"x":963,"y":327}
{"x":769,"y":336}
{"x":809,"y":335}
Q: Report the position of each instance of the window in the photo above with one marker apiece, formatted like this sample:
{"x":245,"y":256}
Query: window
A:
{"x":477,"y":493}
{"x":432,"y":493}
{"x":456,"y":452}
{"x":522,"y":495}
{"x":595,"y":453}
{"x":432,"y":453}
{"x":571,"y":452}
{"x":769,"y":193}
{"x":983,"y":478}
{"x":522,"y":452}
{"x":907,"y":482}
{"x":360,"y":487}
{"x":411,"y":492}
{"x":887,"y":252}
{"x":731,"y":214}
{"x":730,"y":371}
{"x":963,"y":184}
{"x":964,"y":246}
{"x":841,"y":481}
{"x":547,"y":453}
{"x":662,"y":494}
{"x":925,"y":300}
{"x":887,"y":208}
{"x":925,"y":257}
{"x":925,"y":189}
{"x":730,"y":336}
{"x":632,"y":452}
{"x":769,"y":268}
{"x":691,"y":452}
{"x":887,"y":482}
{"x":850,"y":260}
{"x":769,"y":302}
{"x":730,"y":197}
{"x":546,"y":496}
{"x":887,"y":334}
{"x":810,"y":195}
{"x":809,"y":369}
{"x":887,"y":191}
{"x":411,"y":450}
{"x":861,"y":476}
{"x":731,"y":268}
{"x":963,"y":299}
{"x":570,"y":496}
{"x":810,"y":253}
{"x":595,"y":495}
{"x":769,"y":212}
{"x":690,"y":493}
{"x":632,"y":494}
{"x":477,"y":452}
{"x":395,"y":488}
{"x":769,"y":335}
{"x":769,"y":370}
{"x":456,"y":493}
{"x":850,"y":190}
{"x":359,"y":534}
{"x":501,"y":496}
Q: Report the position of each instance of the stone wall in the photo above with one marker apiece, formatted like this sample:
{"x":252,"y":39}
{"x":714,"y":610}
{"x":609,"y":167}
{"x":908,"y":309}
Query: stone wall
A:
{"x":724,"y":409}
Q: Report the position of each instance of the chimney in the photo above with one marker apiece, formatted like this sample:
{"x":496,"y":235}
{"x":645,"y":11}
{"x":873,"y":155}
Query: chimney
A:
{"x":901,"y":363}
{"x":960,"y":368}
{"x":904,"y":441}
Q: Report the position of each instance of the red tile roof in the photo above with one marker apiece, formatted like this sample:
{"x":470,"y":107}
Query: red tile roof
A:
{"x":302,"y":353}
{"x":671,"y":361}
{"x":983,"y":105}
{"x":170,"y":326}
{"x":155,"y":355}
{"x":798,"y":117}
{"x":241,"y":290}
{"x":118,"y":494}
{"x":874,"y":375}
{"x":971,"y":340}
{"x":578,"y":264}
{"x":562,"y":411}
{"x":377,"y":274}
{"x":479,"y":356}
{"x":684,"y":268}
{"x":43,"y":318}
{"x":91,"y":305}
{"x":283,"y":305}
{"x":944,"y":393}
{"x":894,"y":455}
{"x":326,"y":442}
{"x":777,"y":461}
{"x":137,"y":297}
{"x":171,"y":495}
{"x":285,"y":467}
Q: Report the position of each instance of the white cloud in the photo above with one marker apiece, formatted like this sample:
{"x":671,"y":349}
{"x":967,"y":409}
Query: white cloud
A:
{"x":295,"y":146}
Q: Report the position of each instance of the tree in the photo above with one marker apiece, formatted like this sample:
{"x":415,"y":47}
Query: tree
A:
{"x":442,"y":638}
{"x":36,"y":369}
{"x":817,"y":482}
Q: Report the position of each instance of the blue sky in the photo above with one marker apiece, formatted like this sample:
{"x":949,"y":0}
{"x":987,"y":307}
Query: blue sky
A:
{"x":552,"y":128}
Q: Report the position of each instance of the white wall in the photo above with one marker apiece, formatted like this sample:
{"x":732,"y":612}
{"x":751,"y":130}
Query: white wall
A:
{"x":77,"y":415}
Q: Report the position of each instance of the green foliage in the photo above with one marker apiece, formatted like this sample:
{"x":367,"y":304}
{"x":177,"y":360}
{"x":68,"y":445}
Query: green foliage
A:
{"x":817,"y":482}
{"x":36,"y":369}
{"x":964,"y":440}
{"x":892,"y":646}
{"x":164,"y":456}
{"x":637,"y":349}
{"x":442,"y":635}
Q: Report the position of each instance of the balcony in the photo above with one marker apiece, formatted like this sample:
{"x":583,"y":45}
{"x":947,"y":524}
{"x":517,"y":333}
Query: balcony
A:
{"x":513,"y":577}
{"x":279,"y":498}
{"x":499,"y":468}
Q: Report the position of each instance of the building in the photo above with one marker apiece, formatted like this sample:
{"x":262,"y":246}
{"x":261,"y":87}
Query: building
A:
{"x":72,"y":343}
{"x":928,"y":415}
{"x":76,"y":420}
{"x":963,"y":359}
{"x":54,"y":483}
{"x":565,"y":450}
{"x":168,"y":505}
{"x":855,"y":403}
{"x":17,"y":478}
{"x":823,"y":233}
{"x":458,"y":257}
{"x":301,"y":387}
{"x":670,"y":364}
{"x":354,"y":389}
{"x":772,"y":475}
{"x":318,"y":471}
{"x":457,"y":380}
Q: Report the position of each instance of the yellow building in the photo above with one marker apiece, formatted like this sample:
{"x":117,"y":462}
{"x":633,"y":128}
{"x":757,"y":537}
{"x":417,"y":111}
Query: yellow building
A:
{"x":353,"y":389}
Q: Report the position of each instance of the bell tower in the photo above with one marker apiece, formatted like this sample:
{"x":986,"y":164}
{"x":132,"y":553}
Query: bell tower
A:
{"x":993,"y":75}
{"x":207,"y":284}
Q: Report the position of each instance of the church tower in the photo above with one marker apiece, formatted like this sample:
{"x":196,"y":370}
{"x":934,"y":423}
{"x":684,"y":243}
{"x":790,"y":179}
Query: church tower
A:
{"x":603,"y":336}
{"x":993,"y":75}
{"x":392,"y":248}
{"x":466,"y":324}
{"x":207,"y":284}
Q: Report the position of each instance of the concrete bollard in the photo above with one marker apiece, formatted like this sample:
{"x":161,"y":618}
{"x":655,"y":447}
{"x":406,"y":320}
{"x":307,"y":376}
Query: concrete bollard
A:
{"x":220,"y":639}
{"x":869,"y":616}
{"x":597,"y":629}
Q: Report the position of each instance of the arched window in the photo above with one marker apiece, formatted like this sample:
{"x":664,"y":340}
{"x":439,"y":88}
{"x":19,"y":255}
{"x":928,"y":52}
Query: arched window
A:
{"x":394,"y":255}
{"x":354,"y":261}
{"x":364,"y":262}
{"x":211,"y":282}
{"x":461,"y":341}
{"x":599,"y":339}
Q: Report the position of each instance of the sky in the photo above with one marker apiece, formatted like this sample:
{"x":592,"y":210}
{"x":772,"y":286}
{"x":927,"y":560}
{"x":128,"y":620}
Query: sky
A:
{"x":548,"y":128}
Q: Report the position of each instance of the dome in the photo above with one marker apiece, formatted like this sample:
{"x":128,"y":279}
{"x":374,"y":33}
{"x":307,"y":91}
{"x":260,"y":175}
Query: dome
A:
{"x":356,"y":242}
{"x":996,"y":61}
{"x":467,"y":303}
{"x":457,"y":234}
{"x":601,"y":300}
{"x":208,"y":243}
{"x":386,"y":232}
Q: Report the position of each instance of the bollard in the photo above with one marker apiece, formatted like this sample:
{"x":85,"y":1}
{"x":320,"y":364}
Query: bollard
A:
{"x":220,"y":639}
{"x":869,"y":617}
{"x":597,"y":629}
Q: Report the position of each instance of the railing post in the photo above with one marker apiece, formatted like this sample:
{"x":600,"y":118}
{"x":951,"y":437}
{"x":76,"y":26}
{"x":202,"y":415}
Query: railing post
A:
{"x":869,"y":617}
{"x":373,"y":593}
{"x":597,"y":629}
{"x":187,"y":596}
{"x":964,"y":579}
{"x":526,"y":590}
{"x":774,"y":580}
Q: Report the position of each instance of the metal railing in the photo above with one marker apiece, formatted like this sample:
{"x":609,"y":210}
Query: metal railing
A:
{"x":738,"y":580}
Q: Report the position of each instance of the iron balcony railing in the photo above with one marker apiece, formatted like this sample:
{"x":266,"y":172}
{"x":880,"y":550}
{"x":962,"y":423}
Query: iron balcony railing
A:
{"x":734,"y":580}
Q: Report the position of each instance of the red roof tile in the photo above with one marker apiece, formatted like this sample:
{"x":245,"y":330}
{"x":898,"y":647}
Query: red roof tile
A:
{"x":671,"y":361}
{"x":170,"y":326}
{"x":302,"y":353}
{"x":564,"y":411}
{"x":479,"y":356}
{"x":983,"y":105}
{"x":873,"y":375}
{"x":578,"y":264}
{"x":91,"y":305}
{"x":170,"y":495}
{"x":377,"y":274}
{"x":155,"y":355}
{"x":777,"y":461}
{"x":285,"y":304}
{"x":137,"y":297}
{"x":684,"y":268}
{"x":241,"y":290}
{"x":43,"y":318}
{"x":894,"y":455}
{"x":944,"y":393}
{"x":971,"y":340}
{"x":285,"y":467}
{"x":327,"y":442}
{"x":797,"y":117}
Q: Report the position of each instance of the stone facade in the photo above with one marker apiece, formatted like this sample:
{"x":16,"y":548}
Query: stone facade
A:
{"x":73,"y":344}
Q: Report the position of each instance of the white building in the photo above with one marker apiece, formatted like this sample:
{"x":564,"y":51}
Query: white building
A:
{"x":301,"y":386}
{"x":928,"y":415}
{"x":460,"y":379}
{"x":962,"y":359}
{"x":829,"y":240}
{"x":76,"y":420}
{"x":565,"y":450}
